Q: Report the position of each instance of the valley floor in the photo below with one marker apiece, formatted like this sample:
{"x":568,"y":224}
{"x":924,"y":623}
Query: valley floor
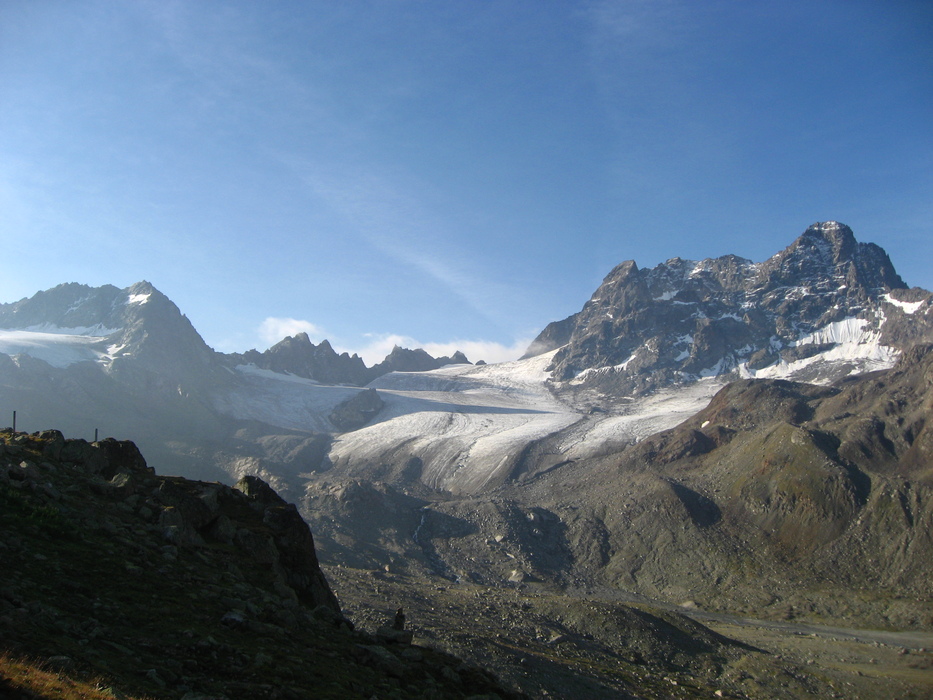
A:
{"x":853,"y":663}
{"x":553,"y":644}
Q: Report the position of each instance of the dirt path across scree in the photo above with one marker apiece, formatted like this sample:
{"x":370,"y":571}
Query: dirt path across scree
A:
{"x":904,"y":640}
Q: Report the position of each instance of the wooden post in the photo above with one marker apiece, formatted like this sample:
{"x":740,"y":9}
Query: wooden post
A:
{"x":14,"y":422}
{"x":95,"y":434}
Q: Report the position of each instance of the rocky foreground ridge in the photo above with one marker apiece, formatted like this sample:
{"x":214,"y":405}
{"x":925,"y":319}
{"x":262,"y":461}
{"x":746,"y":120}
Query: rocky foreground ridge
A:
{"x":173,"y":588}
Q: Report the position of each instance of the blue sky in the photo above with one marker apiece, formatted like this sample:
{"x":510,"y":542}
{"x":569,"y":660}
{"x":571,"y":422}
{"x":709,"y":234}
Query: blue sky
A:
{"x":446,"y":173}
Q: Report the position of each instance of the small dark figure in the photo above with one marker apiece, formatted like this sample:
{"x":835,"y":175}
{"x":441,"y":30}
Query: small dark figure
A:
{"x":399,"y":622}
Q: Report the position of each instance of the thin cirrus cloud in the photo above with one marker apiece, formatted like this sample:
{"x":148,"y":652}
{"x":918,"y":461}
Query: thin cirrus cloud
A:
{"x":402,"y":227}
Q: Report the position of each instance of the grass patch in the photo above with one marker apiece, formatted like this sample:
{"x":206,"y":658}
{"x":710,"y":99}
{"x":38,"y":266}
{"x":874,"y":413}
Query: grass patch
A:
{"x":22,"y":677}
{"x":46,"y":518}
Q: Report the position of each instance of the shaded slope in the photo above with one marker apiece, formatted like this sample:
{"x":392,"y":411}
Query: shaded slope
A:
{"x":174,"y":588}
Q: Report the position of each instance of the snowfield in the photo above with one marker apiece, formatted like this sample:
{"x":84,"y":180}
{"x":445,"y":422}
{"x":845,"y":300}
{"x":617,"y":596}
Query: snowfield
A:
{"x":852,"y":344}
{"x":468,"y":425}
{"x":467,"y":428}
{"x":60,"y":347}
{"x":282,"y":400}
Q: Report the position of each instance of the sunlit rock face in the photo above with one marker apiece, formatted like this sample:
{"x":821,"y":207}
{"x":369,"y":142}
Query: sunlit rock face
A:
{"x":824,"y":307}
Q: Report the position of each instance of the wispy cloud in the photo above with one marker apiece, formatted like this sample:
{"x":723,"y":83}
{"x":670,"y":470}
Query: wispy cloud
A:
{"x":647,"y":22}
{"x":381,"y":208}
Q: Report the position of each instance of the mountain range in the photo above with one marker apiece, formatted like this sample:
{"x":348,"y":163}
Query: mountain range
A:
{"x":695,"y":427}
{"x":824,"y":307}
{"x":718,"y":437}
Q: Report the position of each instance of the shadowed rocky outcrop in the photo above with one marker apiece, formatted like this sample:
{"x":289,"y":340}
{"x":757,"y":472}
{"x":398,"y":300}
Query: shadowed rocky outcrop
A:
{"x":172,"y":588}
{"x":356,"y":411}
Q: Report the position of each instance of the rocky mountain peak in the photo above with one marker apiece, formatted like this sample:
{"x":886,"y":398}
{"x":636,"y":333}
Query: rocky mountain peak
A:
{"x":828,"y":252}
{"x":417,"y":360}
{"x":838,"y":236}
{"x":404,"y":360}
{"x":622,"y":272}
{"x":298,"y":355}
{"x":154,"y":333}
{"x":142,"y":287}
{"x":137,"y":329}
{"x":458,"y":358}
{"x":69,"y":305}
{"x":683,"y":320}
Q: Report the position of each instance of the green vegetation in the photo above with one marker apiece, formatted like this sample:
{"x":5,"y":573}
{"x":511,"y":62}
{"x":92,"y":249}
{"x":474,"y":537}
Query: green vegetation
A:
{"x":49,"y":519}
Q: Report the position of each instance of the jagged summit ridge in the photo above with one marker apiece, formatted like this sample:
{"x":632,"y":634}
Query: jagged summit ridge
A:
{"x":74,"y":323}
{"x":684,"y":320}
{"x":829,"y":250}
{"x":299,"y":356}
{"x":77,"y":307}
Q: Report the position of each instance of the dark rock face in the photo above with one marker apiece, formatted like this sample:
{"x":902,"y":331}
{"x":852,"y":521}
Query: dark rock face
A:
{"x":299,"y":356}
{"x":212,"y":591}
{"x":296,"y":561}
{"x":120,"y":456}
{"x":356,"y":411}
{"x":405,"y":360}
{"x":682,"y":320}
{"x":188,"y":512}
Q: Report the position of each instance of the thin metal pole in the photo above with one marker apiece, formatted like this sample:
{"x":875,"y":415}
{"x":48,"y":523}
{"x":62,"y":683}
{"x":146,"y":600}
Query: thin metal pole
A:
{"x":14,"y":421}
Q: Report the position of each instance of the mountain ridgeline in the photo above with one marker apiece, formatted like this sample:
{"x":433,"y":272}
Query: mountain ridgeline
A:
{"x":682,"y":320}
{"x":747,"y":438}
{"x":127,"y":361}
{"x":143,"y":323}
{"x":298,"y":356}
